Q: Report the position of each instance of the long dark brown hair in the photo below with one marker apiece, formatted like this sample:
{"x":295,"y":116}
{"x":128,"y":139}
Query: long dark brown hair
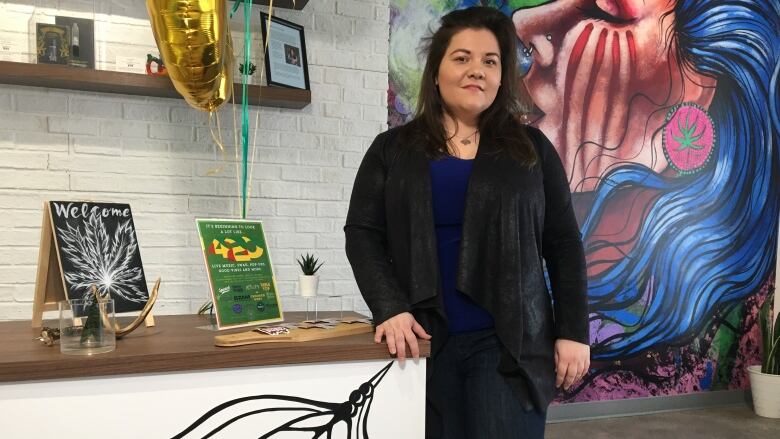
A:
{"x":499,"y":121}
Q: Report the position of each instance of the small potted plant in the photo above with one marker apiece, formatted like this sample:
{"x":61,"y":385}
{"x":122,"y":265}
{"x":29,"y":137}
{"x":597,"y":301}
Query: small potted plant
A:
{"x":765,"y":379}
{"x":308,"y":281}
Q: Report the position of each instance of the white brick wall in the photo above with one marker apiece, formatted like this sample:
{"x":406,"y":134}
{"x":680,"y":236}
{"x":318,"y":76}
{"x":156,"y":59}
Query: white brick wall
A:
{"x":156,"y":154}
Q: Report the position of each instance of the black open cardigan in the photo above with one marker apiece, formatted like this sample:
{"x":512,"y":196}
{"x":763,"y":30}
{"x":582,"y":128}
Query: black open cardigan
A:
{"x":515,"y":218}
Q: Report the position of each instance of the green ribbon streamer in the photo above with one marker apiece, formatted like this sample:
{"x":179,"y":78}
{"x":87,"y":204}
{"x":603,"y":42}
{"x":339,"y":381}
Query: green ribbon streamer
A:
{"x":244,"y":101}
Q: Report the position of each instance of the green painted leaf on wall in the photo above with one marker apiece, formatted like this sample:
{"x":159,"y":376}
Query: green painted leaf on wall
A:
{"x":516,"y":4}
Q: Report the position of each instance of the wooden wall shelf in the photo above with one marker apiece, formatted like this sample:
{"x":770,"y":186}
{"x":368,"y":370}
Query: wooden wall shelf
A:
{"x":286,"y":4}
{"x":105,"y":81}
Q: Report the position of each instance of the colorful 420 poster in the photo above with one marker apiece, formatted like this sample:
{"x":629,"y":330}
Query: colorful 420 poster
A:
{"x":243,"y":286}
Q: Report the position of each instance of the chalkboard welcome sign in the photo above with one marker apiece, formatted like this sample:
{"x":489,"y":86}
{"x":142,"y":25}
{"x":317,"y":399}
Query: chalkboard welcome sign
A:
{"x":85,"y":244}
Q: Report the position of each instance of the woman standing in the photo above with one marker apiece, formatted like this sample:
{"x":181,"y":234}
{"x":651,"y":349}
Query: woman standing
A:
{"x":450,"y":219}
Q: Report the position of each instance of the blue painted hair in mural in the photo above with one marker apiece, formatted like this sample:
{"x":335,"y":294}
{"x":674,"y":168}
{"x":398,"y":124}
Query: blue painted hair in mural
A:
{"x":709,"y":239}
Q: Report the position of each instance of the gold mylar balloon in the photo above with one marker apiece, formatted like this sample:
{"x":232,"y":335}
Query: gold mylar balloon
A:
{"x":194,"y":42}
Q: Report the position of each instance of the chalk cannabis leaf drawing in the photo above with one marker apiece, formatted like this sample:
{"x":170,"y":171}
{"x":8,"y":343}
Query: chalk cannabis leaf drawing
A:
{"x":103,"y":260}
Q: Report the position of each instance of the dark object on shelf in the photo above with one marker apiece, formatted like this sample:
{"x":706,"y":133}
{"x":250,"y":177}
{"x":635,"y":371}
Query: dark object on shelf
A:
{"x":161,"y":71}
{"x":105,"y":81}
{"x":284,"y":4}
{"x":285,"y":60}
{"x":52,"y":42}
{"x":49,"y":336}
{"x":251,"y":71}
{"x":81,"y":41}
{"x":74,"y":40}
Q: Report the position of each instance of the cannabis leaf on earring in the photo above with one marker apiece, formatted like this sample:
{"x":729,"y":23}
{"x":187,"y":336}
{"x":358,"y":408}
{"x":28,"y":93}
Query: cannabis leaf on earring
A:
{"x":689,"y":135}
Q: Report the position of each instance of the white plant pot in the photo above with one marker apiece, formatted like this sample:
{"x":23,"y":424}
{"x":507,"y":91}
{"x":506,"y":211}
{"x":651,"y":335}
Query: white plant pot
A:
{"x":766,"y":392}
{"x":308,"y":285}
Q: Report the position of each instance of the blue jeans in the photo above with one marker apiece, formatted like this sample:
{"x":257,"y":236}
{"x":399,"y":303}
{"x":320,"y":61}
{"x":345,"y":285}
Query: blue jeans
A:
{"x":473,"y":399}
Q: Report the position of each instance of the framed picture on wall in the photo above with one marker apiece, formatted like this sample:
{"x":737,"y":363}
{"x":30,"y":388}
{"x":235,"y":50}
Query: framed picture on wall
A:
{"x":81,"y":41}
{"x":285,"y":60}
{"x":53,"y":43}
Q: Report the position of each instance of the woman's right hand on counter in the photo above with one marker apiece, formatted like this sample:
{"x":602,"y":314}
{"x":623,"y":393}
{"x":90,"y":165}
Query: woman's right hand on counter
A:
{"x":400,"y":330}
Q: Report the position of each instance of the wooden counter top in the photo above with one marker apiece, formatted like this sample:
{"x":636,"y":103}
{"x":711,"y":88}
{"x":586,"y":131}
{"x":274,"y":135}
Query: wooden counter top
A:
{"x":175,"y":344}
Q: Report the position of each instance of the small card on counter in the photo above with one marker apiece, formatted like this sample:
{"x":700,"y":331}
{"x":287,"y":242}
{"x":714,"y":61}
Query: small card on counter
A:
{"x":272,"y":330}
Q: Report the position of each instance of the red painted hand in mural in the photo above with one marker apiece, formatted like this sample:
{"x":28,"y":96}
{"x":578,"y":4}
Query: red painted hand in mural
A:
{"x":604,"y":72}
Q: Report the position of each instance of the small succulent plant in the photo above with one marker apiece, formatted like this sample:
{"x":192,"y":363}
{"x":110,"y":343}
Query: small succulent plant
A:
{"x":309,"y":265}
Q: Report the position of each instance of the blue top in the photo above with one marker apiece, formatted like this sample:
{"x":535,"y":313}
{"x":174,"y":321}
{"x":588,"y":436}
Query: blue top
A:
{"x":449,"y":181}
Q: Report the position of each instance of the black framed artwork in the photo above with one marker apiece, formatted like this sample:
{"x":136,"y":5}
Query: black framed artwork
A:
{"x":52,"y":43}
{"x":81,"y":40}
{"x":285,"y":60}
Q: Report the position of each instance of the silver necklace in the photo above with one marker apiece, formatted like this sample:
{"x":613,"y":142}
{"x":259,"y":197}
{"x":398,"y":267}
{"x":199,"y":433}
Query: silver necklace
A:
{"x":467,"y":140}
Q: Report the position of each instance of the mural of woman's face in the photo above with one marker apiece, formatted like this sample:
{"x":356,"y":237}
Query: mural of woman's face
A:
{"x":603,"y":74}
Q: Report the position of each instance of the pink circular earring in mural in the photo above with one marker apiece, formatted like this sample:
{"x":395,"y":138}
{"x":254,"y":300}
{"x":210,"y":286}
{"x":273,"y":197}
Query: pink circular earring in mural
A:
{"x":689,"y":138}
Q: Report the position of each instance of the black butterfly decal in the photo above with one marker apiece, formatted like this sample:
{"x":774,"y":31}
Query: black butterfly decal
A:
{"x":307,"y":418}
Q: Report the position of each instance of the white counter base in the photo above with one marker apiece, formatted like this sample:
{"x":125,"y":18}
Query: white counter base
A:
{"x":163,"y":405}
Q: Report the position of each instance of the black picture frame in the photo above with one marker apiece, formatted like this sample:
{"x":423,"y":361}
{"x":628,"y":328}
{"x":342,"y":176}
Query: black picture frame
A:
{"x":285,"y":60}
{"x":52,"y":43}
{"x":81,"y":40}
